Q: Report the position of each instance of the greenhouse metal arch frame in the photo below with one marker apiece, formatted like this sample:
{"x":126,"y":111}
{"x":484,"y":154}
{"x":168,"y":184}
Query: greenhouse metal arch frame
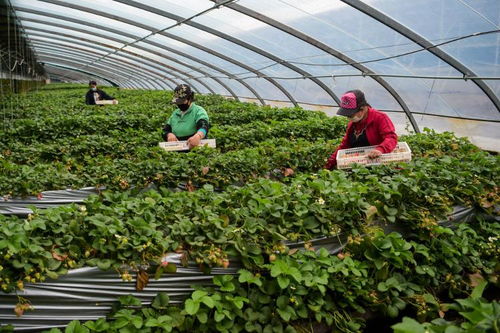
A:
{"x":155,"y":63}
{"x":138,"y":24}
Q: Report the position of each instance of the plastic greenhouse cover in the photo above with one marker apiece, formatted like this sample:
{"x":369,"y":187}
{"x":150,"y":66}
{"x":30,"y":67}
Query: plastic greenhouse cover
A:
{"x":446,"y":19}
{"x":88,"y":293}
{"x":368,"y":39}
{"x":195,"y":52}
{"x":238,"y":88}
{"x":351,"y":32}
{"x":185,"y":8}
{"x":483,"y":134}
{"x":50,"y":30}
{"x":445,"y":97}
{"x":66,"y":12}
{"x":306,"y":91}
{"x":122,"y":11}
{"x":218,"y":44}
{"x":95,"y":69}
{"x":199,"y":69}
{"x":375,"y":94}
{"x":259,"y":34}
{"x":71,"y":27}
{"x":125,"y":68}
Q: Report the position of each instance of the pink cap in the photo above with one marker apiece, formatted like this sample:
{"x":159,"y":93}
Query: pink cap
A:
{"x":349,"y":103}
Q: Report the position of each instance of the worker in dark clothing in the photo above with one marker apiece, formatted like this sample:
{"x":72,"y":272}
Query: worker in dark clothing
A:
{"x":94,"y":95}
{"x":189,"y":121}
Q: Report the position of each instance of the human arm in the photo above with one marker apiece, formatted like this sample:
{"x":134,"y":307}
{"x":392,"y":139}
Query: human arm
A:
{"x":168,"y":134}
{"x":201,"y":132}
{"x":332,"y":160}
{"x":389,"y":137}
{"x":105,"y":96}
{"x":202,"y":126}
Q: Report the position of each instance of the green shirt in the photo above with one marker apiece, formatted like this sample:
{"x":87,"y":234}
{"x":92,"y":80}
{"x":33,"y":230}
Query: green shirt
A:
{"x":184,"y":123}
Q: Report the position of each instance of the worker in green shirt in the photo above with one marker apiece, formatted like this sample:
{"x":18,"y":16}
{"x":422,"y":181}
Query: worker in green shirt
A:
{"x":189,"y":121}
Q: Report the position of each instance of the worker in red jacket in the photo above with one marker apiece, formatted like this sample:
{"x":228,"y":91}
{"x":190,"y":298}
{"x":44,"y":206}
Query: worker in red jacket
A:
{"x":367,"y":127}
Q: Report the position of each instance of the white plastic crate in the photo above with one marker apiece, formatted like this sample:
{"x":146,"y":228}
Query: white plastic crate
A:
{"x":347,"y":157}
{"x":106,"y":102}
{"x":183,"y":145}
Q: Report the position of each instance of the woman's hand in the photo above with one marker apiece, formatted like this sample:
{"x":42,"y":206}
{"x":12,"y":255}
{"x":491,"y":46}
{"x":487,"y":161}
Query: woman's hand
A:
{"x":194,"y":140}
{"x":374,"y":153}
{"x":171,"y":137}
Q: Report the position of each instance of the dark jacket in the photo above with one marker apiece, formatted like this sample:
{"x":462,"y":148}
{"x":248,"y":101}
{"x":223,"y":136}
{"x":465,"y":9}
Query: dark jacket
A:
{"x":89,"y":97}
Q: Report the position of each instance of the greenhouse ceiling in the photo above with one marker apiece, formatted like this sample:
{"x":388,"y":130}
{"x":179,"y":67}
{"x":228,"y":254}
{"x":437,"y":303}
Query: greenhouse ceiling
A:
{"x":429,"y":61}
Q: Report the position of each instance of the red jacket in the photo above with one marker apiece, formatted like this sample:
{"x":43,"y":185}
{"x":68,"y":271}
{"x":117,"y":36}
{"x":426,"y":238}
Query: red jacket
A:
{"x":379,"y":132}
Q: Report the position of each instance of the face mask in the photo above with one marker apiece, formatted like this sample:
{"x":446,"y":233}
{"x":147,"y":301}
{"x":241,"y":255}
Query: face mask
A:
{"x":94,"y":89}
{"x":356,"y":119}
{"x":183,"y":107}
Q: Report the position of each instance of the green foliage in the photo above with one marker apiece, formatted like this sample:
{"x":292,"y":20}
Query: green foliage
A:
{"x":475,"y":315}
{"x":261,"y":187}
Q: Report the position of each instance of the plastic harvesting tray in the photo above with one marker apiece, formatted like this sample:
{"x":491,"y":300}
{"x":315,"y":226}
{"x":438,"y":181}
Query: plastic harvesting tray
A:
{"x":347,"y":157}
{"x":183,"y":145}
{"x":106,"y":102}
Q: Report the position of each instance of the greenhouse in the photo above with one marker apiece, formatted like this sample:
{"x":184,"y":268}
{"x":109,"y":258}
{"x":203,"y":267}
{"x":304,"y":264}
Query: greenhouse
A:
{"x":250,"y":166}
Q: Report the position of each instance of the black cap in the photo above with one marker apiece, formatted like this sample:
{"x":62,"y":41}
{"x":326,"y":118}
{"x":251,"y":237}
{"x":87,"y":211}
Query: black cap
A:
{"x":92,"y":82}
{"x":182,"y":93}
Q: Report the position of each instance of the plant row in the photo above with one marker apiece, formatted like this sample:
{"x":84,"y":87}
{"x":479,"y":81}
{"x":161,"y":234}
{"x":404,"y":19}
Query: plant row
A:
{"x":154,"y":166}
{"x":245,"y":222}
{"x":376,"y":275}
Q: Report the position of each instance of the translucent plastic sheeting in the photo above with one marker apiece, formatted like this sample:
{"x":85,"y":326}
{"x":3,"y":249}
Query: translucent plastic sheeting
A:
{"x":89,"y":293}
{"x":130,"y":59}
{"x":120,"y":10}
{"x":126,"y":66}
{"x":345,"y":29}
{"x":446,"y":19}
{"x":365,"y":39}
{"x":266,"y":89}
{"x":495,"y":85}
{"x":483,"y":134}
{"x":185,"y":8}
{"x":79,"y":15}
{"x":99,"y":31}
{"x":218,"y":44}
{"x":455,"y":98}
{"x":86,"y":30}
{"x":479,"y":53}
{"x":261,"y":35}
{"x":110,"y":73}
{"x":375,"y":94}
{"x":239,"y":89}
{"x":196,"y":68}
{"x":227,"y":65}
{"x":169,"y":65}
{"x":177,"y":69}
{"x":47,"y":199}
{"x":306,"y":91}
{"x":47,"y":29}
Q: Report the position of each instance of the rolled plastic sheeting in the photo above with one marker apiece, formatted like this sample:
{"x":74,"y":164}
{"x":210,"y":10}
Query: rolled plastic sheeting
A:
{"x":88,"y":293}
{"x":47,"y":199}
